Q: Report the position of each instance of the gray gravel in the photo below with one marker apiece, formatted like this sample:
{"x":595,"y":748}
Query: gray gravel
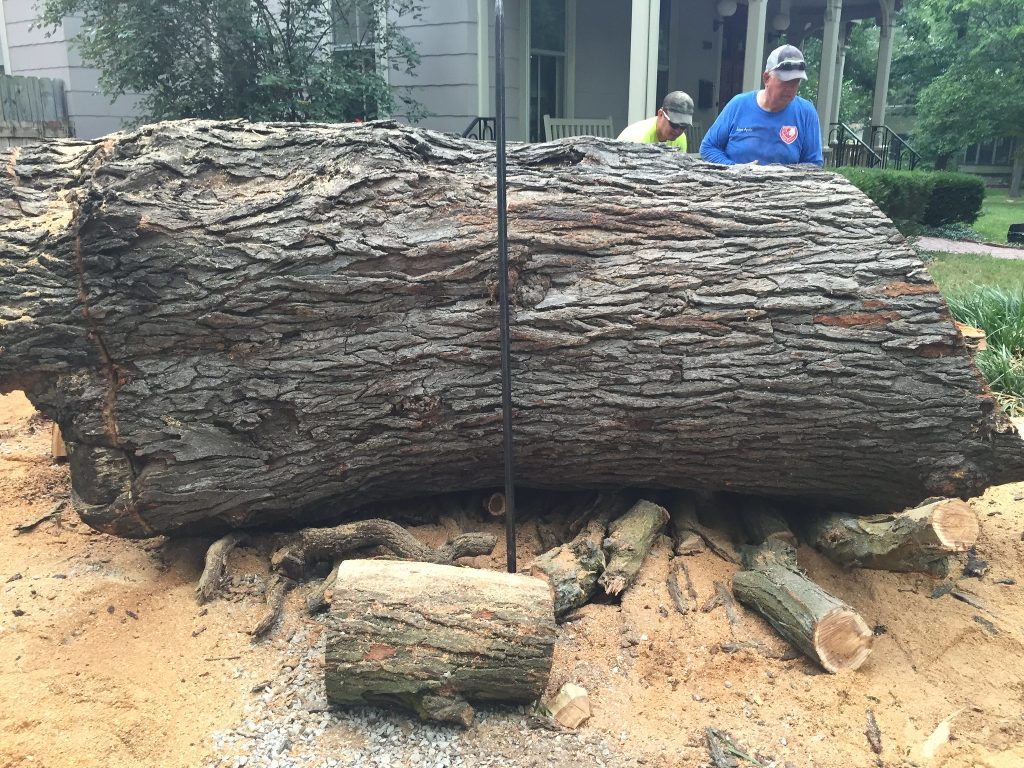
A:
{"x":289,"y":724}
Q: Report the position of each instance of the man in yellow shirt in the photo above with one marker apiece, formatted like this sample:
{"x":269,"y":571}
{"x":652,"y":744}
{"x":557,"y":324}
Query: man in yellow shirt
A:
{"x":667,"y":127}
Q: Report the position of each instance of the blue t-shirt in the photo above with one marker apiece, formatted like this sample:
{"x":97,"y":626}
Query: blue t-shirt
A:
{"x":744,"y":132}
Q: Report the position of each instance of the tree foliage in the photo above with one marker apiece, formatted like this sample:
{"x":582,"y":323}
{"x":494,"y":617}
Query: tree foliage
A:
{"x":307,"y":60}
{"x":964,"y":60}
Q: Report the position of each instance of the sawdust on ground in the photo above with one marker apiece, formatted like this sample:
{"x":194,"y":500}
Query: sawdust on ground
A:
{"x":106,"y":660}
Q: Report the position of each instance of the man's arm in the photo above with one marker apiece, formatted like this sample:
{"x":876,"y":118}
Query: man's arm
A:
{"x":712,"y":148}
{"x":810,"y":148}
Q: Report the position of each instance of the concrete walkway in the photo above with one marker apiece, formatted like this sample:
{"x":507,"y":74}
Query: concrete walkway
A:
{"x":961,"y":246}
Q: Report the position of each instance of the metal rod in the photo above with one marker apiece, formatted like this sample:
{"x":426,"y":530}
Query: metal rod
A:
{"x":506,"y":355}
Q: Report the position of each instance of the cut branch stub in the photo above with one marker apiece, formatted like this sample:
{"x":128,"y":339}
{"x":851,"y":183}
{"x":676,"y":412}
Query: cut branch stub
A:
{"x":433,"y":637}
{"x":241,"y":325}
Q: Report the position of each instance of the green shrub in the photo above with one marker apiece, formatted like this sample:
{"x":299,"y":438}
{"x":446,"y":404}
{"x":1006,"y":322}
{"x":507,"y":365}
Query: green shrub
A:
{"x":954,"y":197}
{"x":903,"y":196}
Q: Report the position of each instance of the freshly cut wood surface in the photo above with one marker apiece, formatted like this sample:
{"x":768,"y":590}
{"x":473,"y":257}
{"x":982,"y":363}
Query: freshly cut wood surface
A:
{"x":248,"y":325}
{"x":434,"y":637}
{"x":918,"y":539}
{"x":827,"y":630}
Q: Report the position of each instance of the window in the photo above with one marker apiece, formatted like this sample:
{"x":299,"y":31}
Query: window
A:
{"x":547,"y":63}
{"x":354,"y":34}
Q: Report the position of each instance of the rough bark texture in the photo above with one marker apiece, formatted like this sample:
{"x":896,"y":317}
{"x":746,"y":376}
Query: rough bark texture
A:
{"x":824,"y":628}
{"x":630,"y":538}
{"x":919,"y":539}
{"x":240,"y":325}
{"x":432,"y":637}
{"x":318,"y":544}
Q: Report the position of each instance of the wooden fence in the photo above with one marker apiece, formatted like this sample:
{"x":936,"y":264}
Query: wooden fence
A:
{"x":31,"y":108}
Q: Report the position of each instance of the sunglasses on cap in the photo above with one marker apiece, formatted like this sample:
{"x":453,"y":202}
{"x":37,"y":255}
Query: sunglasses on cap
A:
{"x":791,"y":66}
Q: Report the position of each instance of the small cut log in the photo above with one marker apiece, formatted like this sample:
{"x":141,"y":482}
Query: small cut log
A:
{"x":763,"y":522}
{"x":316,"y":544}
{"x":630,"y":538}
{"x":919,"y":539}
{"x":685,"y":524}
{"x":432,"y":637}
{"x":216,"y":564}
{"x":574,"y":568}
{"x":824,"y":628}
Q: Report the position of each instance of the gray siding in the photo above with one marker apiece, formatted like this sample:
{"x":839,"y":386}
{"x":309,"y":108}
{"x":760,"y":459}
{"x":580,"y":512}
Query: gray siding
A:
{"x":33,"y":54}
{"x":602,"y":60}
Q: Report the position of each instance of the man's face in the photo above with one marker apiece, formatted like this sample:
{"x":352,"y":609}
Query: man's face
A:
{"x":668,"y":131}
{"x":780,"y":93}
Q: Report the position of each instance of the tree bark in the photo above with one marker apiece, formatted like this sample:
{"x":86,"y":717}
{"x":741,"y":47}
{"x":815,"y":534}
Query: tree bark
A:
{"x":919,"y":539}
{"x":827,"y":630}
{"x":433,"y":637}
{"x":630,"y":538}
{"x":248,"y":325}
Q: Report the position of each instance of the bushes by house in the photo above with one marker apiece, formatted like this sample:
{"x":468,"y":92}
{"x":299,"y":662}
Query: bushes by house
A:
{"x":920,"y":198}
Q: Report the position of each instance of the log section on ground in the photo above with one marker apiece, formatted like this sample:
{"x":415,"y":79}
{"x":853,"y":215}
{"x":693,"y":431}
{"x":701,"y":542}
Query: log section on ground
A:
{"x":919,"y":539}
{"x":432,"y":637}
{"x":245,"y":324}
{"x":827,"y":630}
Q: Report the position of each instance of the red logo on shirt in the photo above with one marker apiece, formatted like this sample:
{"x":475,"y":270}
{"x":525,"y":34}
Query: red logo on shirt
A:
{"x":788,"y":133}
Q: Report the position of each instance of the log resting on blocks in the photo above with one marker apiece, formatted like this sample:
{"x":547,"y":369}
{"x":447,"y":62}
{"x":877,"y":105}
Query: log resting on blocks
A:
{"x":919,"y":539}
{"x":434,"y":637}
{"x":824,"y":628}
{"x":244,"y":324}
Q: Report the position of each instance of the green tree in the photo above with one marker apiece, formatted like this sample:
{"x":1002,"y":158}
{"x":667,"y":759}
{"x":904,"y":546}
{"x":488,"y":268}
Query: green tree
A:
{"x":294,"y":60}
{"x":965,"y":61}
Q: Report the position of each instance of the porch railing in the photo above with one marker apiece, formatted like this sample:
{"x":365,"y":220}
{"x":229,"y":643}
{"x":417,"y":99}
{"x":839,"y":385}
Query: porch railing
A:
{"x":893,"y":149}
{"x":847,"y":148}
{"x":482,"y":128}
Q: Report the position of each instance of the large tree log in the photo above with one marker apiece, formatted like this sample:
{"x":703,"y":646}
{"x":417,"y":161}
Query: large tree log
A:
{"x":432,"y":637}
{"x":241,"y":325}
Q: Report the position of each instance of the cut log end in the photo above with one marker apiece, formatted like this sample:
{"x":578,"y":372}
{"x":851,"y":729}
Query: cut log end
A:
{"x":842,"y":640}
{"x":956,"y":525}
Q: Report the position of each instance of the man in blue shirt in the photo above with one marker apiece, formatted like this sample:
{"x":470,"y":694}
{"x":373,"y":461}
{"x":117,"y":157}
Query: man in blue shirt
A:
{"x":772,"y":125}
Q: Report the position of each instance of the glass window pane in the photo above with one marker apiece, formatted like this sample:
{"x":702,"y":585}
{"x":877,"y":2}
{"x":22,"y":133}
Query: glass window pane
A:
{"x":547,"y":25}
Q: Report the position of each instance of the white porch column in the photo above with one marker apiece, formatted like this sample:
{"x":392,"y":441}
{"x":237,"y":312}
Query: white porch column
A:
{"x":653,"y":35}
{"x":837,"y":88}
{"x":643,"y":59}
{"x":884,"y":62}
{"x":483,"y":59}
{"x":753,"y":58}
{"x":829,"y":59}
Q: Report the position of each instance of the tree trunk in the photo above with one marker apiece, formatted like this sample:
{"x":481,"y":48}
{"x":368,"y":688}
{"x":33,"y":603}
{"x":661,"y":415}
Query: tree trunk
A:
{"x":1018,"y":171}
{"x":918,"y":539}
{"x":824,"y":628}
{"x":240,"y":325}
{"x":432,"y":637}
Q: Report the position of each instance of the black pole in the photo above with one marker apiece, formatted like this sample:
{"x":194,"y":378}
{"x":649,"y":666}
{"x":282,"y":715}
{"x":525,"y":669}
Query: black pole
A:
{"x":506,"y":355}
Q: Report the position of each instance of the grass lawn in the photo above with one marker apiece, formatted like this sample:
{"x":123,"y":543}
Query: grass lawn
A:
{"x":988,"y":293}
{"x":997,"y":214}
{"x":960,"y":273}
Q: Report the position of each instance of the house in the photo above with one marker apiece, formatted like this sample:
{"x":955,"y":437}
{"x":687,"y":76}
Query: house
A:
{"x":27,"y":51}
{"x":617,"y":58}
{"x":564,"y":58}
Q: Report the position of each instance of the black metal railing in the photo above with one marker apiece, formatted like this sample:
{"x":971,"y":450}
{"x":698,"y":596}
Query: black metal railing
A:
{"x":481,"y":128}
{"x":893,"y":149}
{"x":847,"y":148}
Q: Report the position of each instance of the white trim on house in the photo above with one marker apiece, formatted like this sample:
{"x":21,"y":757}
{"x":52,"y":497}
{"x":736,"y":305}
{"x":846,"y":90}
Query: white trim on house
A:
{"x":753,"y":57}
{"x":4,"y":45}
{"x":483,"y":59}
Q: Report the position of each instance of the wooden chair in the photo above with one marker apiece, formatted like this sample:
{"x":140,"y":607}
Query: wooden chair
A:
{"x":561,"y":127}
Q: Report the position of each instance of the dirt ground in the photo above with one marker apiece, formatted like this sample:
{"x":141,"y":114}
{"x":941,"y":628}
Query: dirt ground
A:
{"x":106,"y":660}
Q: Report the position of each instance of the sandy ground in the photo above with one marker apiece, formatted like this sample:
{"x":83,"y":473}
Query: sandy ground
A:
{"x":106,"y":660}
